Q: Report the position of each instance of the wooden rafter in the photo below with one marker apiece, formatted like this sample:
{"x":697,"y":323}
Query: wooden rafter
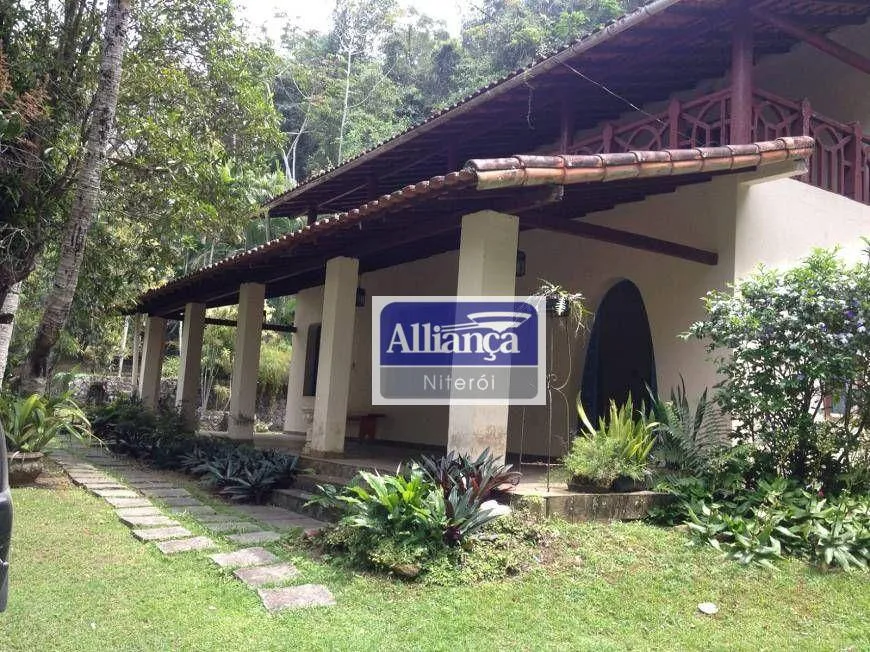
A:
{"x":626,"y":239}
{"x":821,"y":43}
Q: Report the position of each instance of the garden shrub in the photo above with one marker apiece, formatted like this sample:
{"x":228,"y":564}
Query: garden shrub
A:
{"x":406,"y":523}
{"x":234,"y":470}
{"x":783,"y":342}
{"x":779,"y":519}
{"x":618,"y":449}
{"x":33,"y":422}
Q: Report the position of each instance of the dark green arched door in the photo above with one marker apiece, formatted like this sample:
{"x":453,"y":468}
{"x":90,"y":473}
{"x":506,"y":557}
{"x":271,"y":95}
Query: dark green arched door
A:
{"x":620,"y":358}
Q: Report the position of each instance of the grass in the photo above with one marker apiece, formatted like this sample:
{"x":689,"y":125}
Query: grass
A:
{"x":79,"y":581}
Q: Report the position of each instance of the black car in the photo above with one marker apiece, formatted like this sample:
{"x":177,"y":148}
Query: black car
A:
{"x":5,"y":521}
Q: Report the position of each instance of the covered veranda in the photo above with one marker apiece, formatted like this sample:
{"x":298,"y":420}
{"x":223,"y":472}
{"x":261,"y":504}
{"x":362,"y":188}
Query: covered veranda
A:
{"x":458,"y":234}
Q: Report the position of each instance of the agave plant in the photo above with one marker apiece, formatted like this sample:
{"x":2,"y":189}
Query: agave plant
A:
{"x":33,"y":422}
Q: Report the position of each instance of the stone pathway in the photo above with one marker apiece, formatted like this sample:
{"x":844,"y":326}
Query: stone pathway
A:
{"x":131,"y":489}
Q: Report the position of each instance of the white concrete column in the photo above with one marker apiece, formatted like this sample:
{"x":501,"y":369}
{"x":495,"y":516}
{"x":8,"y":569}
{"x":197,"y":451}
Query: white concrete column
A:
{"x":246,"y":361}
{"x":309,"y":308}
{"x":336,"y":356}
{"x":487,"y":267}
{"x":152,"y":361}
{"x":190,"y":367}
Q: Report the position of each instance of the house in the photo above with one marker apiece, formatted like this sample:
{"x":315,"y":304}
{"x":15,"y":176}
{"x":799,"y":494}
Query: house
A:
{"x":667,"y":154}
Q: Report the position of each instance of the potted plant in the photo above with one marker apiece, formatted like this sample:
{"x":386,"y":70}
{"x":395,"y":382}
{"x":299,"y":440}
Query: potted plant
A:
{"x":613,"y":456}
{"x":31,"y":423}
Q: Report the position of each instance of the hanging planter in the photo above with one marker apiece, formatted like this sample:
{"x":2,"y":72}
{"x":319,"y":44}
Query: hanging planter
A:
{"x":567,"y":306}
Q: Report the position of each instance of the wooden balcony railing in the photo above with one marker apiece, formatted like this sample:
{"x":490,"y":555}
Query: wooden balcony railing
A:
{"x":841,"y":163}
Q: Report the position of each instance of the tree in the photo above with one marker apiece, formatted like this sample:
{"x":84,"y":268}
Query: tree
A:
{"x":8,"y":310}
{"x":187,"y":166}
{"x":87,"y":193}
{"x":786,"y":345}
{"x":47,"y":54}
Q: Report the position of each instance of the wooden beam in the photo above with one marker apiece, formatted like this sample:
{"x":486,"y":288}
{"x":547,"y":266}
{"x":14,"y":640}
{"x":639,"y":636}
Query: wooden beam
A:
{"x":743,"y":48}
{"x":625,"y":239}
{"x":214,"y":321}
{"x":566,"y":127}
{"x":821,"y":43}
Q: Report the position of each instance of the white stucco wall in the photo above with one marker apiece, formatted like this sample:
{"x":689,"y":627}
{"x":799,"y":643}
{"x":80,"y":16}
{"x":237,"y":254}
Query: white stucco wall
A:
{"x":702,"y":216}
{"x":748,"y":223}
{"x":780,"y":222}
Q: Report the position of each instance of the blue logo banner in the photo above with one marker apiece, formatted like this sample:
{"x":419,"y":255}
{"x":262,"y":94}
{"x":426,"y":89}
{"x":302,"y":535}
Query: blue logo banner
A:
{"x":458,"y":351}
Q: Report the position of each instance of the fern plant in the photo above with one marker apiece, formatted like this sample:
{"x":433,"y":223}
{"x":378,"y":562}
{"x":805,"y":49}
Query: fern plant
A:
{"x":686,"y":438}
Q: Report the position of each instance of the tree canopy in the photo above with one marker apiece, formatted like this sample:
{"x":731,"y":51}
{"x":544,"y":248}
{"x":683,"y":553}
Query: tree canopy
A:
{"x":210,"y":122}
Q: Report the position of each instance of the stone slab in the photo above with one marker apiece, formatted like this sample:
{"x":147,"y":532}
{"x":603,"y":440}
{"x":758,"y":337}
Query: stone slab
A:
{"x":301,"y":522}
{"x":150,"y":521}
{"x":231,"y":526}
{"x":185,"y":545}
{"x":160,"y":533}
{"x":137,"y":511}
{"x":180,"y":501}
{"x":263,"y":536}
{"x":105,"y":486}
{"x":264,"y":512}
{"x":116,"y":493}
{"x":199,"y":512}
{"x":296,"y":597}
{"x":245,"y":557}
{"x":161,"y":492}
{"x":215,"y":518}
{"x":129,"y":502}
{"x":262,"y":575}
{"x":143,"y":485}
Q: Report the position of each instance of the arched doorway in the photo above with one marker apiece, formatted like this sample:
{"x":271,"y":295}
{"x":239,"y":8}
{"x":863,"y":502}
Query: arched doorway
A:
{"x":620,"y":358}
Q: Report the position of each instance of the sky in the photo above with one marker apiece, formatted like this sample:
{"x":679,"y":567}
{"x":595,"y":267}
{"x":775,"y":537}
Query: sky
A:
{"x":314,"y":14}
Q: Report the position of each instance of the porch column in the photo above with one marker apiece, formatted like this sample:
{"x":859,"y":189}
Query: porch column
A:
{"x":187,"y":394}
{"x":137,"y":340}
{"x":336,"y":356}
{"x":246,"y":361}
{"x":743,"y":47}
{"x":299,"y":408}
{"x":152,"y":361}
{"x":487,"y":267}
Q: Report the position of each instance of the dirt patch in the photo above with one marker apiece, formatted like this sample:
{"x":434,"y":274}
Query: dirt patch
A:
{"x":52,"y":477}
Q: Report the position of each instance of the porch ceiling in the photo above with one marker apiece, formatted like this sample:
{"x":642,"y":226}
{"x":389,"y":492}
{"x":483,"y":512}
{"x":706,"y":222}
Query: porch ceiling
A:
{"x":423,"y":219}
{"x":664,"y":47}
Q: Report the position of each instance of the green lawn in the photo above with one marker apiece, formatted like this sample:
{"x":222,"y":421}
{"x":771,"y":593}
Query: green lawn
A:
{"x":79,"y":581}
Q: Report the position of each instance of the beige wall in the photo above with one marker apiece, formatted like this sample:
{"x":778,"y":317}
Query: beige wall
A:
{"x":833,"y":88}
{"x":775,"y":223}
{"x":780,"y":222}
{"x":702,"y":216}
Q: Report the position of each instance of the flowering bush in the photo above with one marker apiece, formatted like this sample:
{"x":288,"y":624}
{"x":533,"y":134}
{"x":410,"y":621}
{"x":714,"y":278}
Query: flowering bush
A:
{"x":790,"y":345}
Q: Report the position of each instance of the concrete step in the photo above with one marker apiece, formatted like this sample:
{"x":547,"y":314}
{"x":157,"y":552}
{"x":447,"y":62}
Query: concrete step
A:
{"x":296,"y":501}
{"x":308,"y":482}
{"x":332,"y":468}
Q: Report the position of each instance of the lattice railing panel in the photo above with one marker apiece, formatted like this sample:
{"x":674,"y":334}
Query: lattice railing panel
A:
{"x":841,"y":163}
